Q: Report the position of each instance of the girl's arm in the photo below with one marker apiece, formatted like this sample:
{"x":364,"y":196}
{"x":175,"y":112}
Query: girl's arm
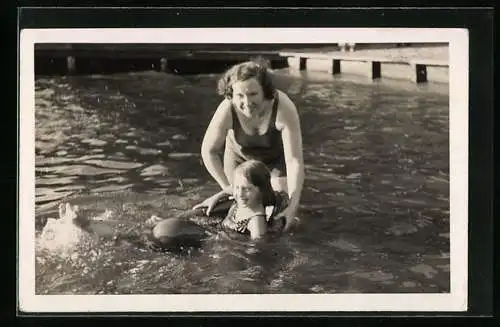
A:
{"x":291,"y":135}
{"x":213,"y":144}
{"x":257,"y":227}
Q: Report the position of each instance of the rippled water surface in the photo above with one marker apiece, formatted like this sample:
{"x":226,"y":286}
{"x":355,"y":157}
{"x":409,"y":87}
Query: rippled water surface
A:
{"x":375,"y":206}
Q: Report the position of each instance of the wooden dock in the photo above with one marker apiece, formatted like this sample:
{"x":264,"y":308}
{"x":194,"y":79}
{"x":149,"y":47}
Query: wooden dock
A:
{"x":419,"y":70}
{"x":375,"y":64}
{"x":144,"y":51}
{"x":161,"y":57}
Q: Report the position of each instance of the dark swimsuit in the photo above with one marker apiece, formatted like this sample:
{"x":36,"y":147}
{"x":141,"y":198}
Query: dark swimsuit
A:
{"x":241,"y":225}
{"x":267,"y":147}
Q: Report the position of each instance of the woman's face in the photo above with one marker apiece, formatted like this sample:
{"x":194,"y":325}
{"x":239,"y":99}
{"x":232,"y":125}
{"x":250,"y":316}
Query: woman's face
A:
{"x":248,"y":97}
{"x":245,"y":193}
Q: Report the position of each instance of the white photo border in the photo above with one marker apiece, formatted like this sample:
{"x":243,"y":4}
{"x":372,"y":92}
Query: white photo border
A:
{"x":455,"y":301}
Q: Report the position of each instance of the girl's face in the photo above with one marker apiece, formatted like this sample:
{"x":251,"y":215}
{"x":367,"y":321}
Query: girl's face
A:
{"x":248,"y":97}
{"x":245,"y":193}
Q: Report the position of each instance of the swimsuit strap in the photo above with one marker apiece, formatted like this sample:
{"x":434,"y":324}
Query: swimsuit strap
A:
{"x":248,"y":218}
{"x":235,"y":209}
{"x":272,"y":123}
{"x":240,"y":225}
{"x":234,"y":118}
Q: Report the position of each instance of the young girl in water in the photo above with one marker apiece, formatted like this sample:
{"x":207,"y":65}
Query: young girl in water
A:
{"x":254,"y":206}
{"x":255,"y":202}
{"x":253,"y":210}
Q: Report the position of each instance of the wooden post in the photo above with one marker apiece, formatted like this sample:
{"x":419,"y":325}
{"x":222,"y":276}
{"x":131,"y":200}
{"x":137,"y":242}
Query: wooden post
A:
{"x":71,"y":64}
{"x":297,"y":63}
{"x":163,"y":65}
{"x":336,"y":66}
{"x":302,"y":64}
{"x":376,"y":69}
{"x":420,"y":73}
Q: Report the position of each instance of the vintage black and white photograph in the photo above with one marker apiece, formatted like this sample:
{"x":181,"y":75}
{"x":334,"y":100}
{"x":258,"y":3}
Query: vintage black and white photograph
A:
{"x":315,"y":168}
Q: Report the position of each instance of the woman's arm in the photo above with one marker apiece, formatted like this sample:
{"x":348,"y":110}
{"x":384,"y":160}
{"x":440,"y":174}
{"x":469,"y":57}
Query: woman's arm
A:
{"x":213,"y":144}
{"x":291,"y":134}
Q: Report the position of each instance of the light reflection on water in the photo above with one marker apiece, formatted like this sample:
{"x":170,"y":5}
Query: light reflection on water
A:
{"x":375,"y":200}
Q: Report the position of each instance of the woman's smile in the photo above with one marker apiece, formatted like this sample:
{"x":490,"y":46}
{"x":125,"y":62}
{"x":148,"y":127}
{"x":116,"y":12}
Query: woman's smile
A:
{"x":248,"y":96}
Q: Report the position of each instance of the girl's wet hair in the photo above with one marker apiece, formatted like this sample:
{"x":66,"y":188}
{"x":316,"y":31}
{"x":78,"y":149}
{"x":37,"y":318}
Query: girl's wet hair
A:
{"x":259,"y":175}
{"x":257,"y":68}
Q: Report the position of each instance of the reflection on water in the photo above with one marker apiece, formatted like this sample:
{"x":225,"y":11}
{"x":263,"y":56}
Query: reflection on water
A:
{"x":375,"y":201}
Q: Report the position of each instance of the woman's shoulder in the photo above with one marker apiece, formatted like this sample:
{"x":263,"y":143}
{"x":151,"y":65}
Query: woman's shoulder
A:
{"x":285,"y":102}
{"x":282,"y":96}
{"x":225,"y":106}
{"x":287,"y":111}
{"x":223,"y":114}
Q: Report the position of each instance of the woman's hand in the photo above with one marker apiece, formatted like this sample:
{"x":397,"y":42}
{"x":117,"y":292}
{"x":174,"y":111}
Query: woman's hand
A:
{"x":289,"y":214}
{"x":212,"y":201}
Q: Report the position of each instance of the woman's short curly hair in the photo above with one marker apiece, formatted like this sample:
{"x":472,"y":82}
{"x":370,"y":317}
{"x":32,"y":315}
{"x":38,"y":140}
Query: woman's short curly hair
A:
{"x":243,"y":72}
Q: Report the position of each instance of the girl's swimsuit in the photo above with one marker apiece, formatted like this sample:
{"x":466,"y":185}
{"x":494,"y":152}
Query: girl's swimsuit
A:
{"x":241,"y":225}
{"x":268,"y":147}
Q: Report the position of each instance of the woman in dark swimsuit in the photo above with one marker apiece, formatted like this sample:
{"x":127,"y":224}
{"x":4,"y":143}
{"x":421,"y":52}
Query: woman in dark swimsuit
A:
{"x":255,"y":121}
